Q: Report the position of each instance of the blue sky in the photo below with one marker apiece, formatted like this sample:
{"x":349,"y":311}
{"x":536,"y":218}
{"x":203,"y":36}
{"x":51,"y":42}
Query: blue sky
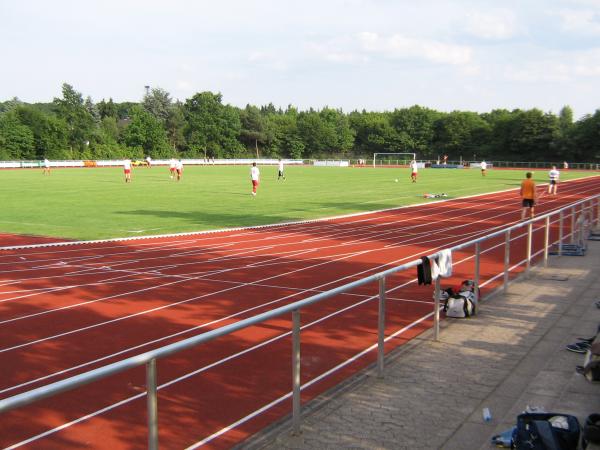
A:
{"x":348,"y":54}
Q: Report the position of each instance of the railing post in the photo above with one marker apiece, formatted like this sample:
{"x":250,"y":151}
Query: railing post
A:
{"x":381,"y":329}
{"x":572,"y":225}
{"x":561,"y":232}
{"x":436,"y":310}
{"x":506,"y":259}
{"x":296,"y":411}
{"x":477,"y":266}
{"x":152,"y":403}
{"x":529,"y":239}
{"x":546,"y":240}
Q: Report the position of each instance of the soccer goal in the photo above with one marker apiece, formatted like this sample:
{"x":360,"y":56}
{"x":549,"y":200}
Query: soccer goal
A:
{"x":382,"y":159}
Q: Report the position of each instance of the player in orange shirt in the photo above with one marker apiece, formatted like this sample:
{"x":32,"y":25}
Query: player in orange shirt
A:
{"x":528,"y":195}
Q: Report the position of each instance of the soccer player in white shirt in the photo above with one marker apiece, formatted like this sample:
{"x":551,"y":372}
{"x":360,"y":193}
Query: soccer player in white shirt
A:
{"x":255,"y":177}
{"x":554,"y":175}
{"x":483,"y":166}
{"x":127,"y":170}
{"x":46,"y":166}
{"x":414,"y":171}
{"x":179,"y":169}
{"x":280,"y":172}
{"x":172,"y":165}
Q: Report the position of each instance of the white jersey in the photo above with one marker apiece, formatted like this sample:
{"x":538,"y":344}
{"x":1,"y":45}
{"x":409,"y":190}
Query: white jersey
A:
{"x":554,"y":175}
{"x":281,"y":166}
{"x":483,"y":165}
{"x":254,"y":173}
{"x":172,"y":163}
{"x":46,"y":163}
{"x":127,"y":164}
{"x":179,"y":165}
{"x":413,"y":166}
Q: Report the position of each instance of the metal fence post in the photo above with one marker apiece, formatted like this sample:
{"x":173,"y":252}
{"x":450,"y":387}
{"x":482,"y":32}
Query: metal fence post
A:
{"x":381,"y":329}
{"x":296,"y":411}
{"x":572,"y":224}
{"x":561,"y":232}
{"x":546,"y":240}
{"x":506,"y":259}
{"x":152,"y":403}
{"x":436,"y":310}
{"x":477,"y":266}
{"x":529,"y":239}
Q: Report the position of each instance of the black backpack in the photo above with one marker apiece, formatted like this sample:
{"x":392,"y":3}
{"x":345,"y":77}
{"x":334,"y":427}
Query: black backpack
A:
{"x":534,"y":431}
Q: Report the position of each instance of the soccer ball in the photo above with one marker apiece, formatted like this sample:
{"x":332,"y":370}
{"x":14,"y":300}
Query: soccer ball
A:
{"x":396,"y":180}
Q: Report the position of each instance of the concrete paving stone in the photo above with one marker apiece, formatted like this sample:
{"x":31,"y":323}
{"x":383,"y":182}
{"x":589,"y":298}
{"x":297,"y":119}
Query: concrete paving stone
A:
{"x":469,"y":435}
{"x":547,"y":382}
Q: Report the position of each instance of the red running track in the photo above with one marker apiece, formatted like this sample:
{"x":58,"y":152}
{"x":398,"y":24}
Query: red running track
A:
{"x":68,"y":309}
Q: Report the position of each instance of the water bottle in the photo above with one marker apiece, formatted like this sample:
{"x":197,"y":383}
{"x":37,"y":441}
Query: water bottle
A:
{"x":487,"y":415}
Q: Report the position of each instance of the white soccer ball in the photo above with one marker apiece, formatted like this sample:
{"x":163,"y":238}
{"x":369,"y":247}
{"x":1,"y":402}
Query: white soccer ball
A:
{"x":396,"y":180}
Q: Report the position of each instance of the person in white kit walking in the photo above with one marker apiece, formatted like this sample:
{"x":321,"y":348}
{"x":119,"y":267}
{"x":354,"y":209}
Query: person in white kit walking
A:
{"x":280,"y":171}
{"x":554,"y":175}
{"x":483,"y":166}
{"x":255,"y":177}
{"x":127,"y":170}
{"x":414,"y":169}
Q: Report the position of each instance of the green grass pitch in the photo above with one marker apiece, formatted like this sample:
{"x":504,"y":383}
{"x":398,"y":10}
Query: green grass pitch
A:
{"x":96,"y":203}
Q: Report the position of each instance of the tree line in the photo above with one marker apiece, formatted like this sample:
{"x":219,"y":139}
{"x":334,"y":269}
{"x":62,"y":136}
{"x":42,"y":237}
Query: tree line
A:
{"x":74,"y":127}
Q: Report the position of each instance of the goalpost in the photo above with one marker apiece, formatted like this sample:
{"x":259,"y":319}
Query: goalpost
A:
{"x":387,"y":155}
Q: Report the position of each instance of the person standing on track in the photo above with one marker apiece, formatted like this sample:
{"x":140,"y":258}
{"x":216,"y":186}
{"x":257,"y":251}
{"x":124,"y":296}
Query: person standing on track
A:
{"x":529,"y":196}
{"x":413,"y":171}
{"x":127,"y":170}
{"x":483,"y":168}
{"x":255,"y":177}
{"x":554,"y":175}
{"x":280,"y":171}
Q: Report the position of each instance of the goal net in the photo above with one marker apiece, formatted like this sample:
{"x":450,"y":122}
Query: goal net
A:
{"x":392,"y":159}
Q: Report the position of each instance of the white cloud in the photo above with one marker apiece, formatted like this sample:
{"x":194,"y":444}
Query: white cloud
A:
{"x":585,"y":22}
{"x":397,"y":46}
{"x":496,"y":25}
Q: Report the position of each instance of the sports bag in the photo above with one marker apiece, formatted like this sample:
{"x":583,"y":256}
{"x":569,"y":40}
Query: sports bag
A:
{"x":546,"y":431}
{"x":460,"y":305}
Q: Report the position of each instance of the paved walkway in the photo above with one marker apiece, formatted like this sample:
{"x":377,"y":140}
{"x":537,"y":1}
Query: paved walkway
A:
{"x":509,"y":356}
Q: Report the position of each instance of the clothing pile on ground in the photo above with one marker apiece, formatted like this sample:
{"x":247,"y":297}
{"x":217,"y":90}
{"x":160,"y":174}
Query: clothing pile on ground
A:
{"x":435,"y":195}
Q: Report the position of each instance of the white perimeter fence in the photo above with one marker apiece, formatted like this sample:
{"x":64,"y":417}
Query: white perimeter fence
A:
{"x":31,"y":164}
{"x":574,"y":223}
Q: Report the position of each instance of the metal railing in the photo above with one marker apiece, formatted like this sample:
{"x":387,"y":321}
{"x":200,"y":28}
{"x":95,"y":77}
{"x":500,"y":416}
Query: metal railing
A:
{"x":583,"y":214}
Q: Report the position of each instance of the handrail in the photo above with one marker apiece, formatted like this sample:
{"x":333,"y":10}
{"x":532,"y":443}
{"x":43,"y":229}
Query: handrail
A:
{"x":150,"y":357}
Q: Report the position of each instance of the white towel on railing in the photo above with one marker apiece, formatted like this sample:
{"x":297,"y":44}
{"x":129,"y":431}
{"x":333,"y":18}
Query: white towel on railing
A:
{"x":445,"y":263}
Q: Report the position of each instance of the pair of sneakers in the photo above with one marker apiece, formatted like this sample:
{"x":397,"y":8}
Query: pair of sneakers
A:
{"x":582,"y":345}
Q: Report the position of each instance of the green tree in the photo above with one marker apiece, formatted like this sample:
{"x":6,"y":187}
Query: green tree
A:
{"x":16,"y":139}
{"x":461,"y":133}
{"x":586,"y":139}
{"x":253,"y":128}
{"x":212,"y":128}
{"x":107,"y":109}
{"x":416,"y":129}
{"x":146,"y":133}
{"x":158,"y":102}
{"x":72,"y":109}
{"x":50,"y":133}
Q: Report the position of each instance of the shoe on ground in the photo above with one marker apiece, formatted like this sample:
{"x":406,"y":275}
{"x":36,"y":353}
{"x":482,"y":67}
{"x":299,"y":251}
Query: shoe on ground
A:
{"x":578,"y":348}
